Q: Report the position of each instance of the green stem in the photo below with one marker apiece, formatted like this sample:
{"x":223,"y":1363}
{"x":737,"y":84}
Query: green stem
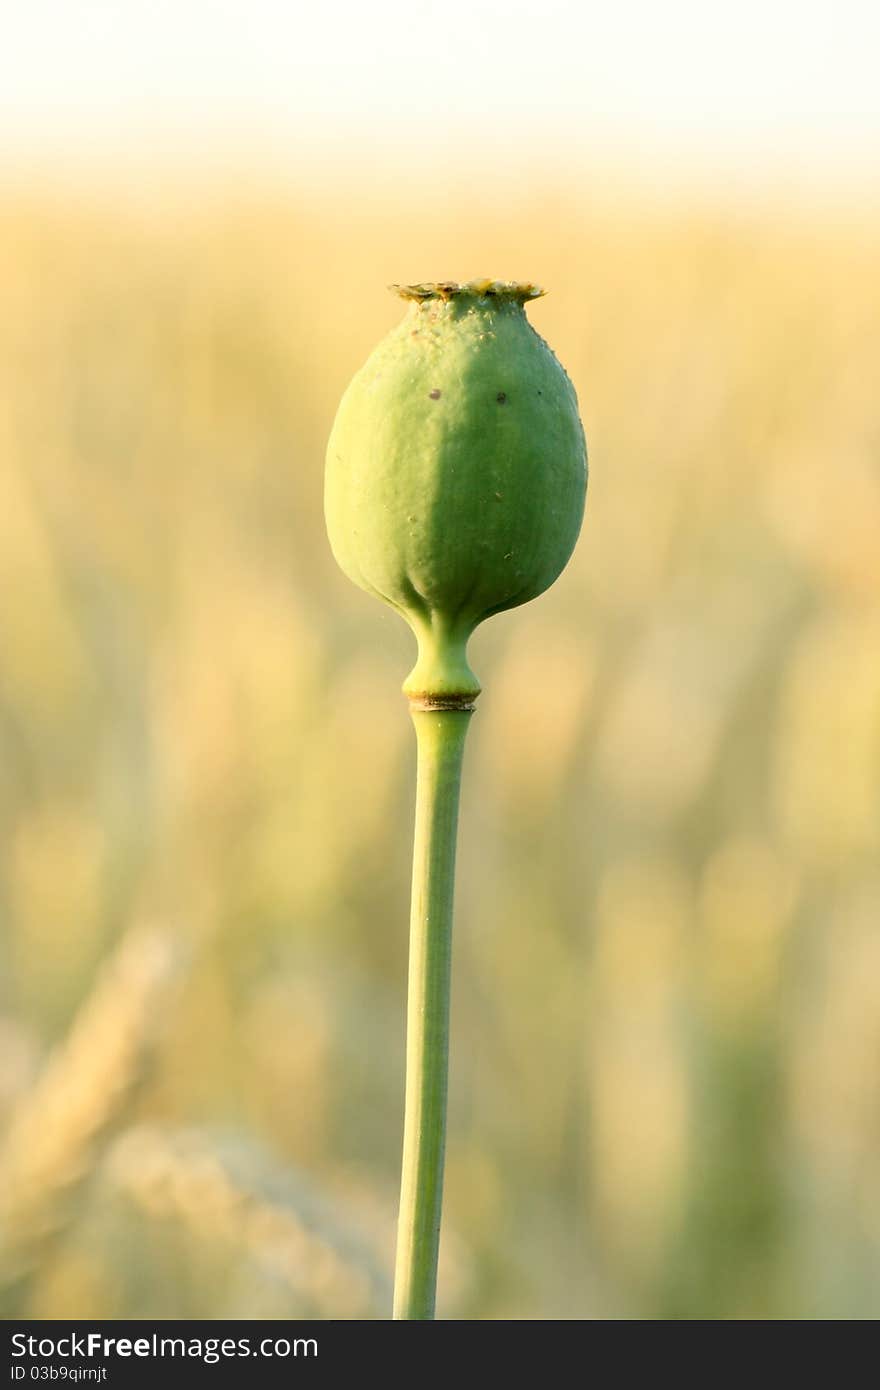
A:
{"x":440,"y":736}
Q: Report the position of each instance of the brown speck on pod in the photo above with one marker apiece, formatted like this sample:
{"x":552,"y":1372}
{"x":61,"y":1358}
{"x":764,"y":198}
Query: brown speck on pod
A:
{"x":435,"y":394}
{"x":501,"y":398}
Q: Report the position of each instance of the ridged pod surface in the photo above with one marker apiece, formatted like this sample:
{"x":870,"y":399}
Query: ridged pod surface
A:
{"x":456,"y":472}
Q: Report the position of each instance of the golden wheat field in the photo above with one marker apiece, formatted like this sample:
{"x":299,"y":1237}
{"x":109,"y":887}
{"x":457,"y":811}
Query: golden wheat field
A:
{"x":666,"y":994}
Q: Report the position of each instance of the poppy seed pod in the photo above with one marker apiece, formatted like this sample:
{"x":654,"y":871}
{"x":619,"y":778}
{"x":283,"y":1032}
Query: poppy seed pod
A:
{"x":456,"y":472}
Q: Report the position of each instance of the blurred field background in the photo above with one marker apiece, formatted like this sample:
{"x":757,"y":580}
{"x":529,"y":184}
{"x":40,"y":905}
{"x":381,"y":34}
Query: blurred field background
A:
{"x":666,"y":997}
{"x":667,"y":977}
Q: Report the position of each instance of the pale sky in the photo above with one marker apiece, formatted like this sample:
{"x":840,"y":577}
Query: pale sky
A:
{"x":793,"y":83}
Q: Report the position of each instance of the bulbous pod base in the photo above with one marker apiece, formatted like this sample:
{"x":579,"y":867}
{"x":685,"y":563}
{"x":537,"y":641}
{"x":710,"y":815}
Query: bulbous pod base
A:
{"x":441,"y":677}
{"x":456,"y":471}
